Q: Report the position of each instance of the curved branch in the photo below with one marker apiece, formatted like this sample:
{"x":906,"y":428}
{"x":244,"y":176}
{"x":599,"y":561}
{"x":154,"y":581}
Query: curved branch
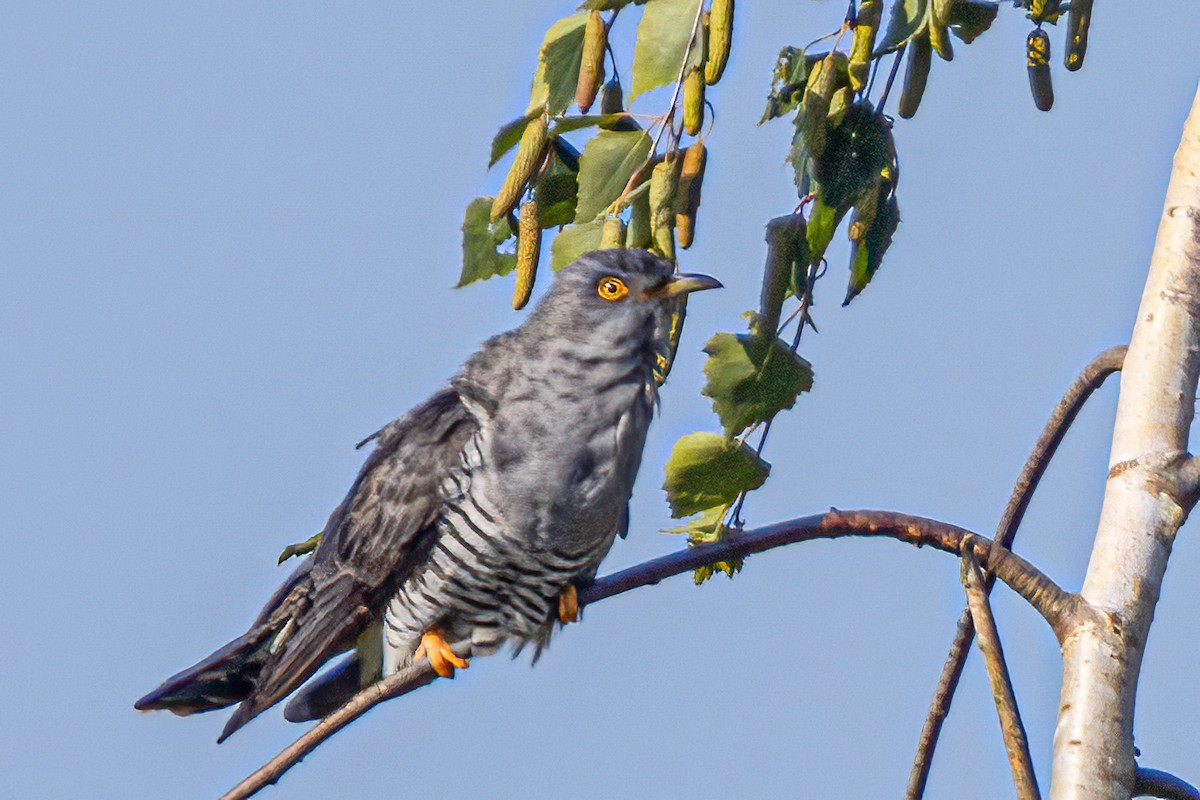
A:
{"x":1156,"y":783}
{"x":1042,"y":593}
{"x":1090,"y":379}
{"x":1016,"y":743}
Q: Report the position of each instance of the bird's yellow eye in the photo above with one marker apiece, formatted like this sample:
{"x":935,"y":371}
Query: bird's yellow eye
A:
{"x":612,"y":289}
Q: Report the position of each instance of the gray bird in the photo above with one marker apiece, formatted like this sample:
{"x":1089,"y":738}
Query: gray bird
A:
{"x":478,"y":512}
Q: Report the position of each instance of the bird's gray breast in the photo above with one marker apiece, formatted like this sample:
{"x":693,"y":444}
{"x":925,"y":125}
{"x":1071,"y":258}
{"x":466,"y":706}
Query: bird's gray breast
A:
{"x":562,"y":454}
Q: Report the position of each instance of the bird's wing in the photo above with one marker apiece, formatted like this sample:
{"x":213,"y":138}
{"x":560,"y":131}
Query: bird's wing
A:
{"x":373,"y":540}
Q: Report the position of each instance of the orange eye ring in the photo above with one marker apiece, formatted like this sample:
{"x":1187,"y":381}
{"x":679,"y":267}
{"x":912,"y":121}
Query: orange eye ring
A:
{"x":612,"y":289}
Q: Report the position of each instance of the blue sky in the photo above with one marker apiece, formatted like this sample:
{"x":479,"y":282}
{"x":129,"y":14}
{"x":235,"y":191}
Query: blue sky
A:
{"x":228,"y":233}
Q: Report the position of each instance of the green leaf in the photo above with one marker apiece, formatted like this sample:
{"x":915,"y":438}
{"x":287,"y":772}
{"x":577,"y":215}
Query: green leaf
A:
{"x":785,"y":270}
{"x":481,"y":259}
{"x":300,"y":548}
{"x":573,"y":241}
{"x":568,"y":124}
{"x":609,"y":160}
{"x":557,"y":188}
{"x":707,"y":470}
{"x":908,"y":18}
{"x":822,"y":222}
{"x":752,"y":378}
{"x":787,"y":82}
{"x":969,"y":18}
{"x":867,"y":254}
{"x":609,"y":5}
{"x":558,"y":65}
{"x":664,"y":32}
{"x":509,"y":134}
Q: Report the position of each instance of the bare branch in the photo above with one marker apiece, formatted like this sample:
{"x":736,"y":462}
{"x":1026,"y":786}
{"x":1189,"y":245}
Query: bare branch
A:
{"x":1090,"y":379}
{"x":1042,"y":593}
{"x":1156,"y":783}
{"x":1143,"y":505}
{"x":1015,"y":742}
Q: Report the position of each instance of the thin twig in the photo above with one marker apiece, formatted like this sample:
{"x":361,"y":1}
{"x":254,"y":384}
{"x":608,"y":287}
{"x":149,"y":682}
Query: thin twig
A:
{"x":1092,"y":377}
{"x":887,"y":88}
{"x":1015,"y":742}
{"x":1046,"y":596}
{"x":687,"y":54}
{"x":1156,"y":783}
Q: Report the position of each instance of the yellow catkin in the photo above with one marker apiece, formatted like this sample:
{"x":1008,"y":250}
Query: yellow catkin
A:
{"x":720,"y":37}
{"x":865,"y":29}
{"x":591,"y":65}
{"x":529,"y":248}
{"x":818,"y":91}
{"x":693,"y":101}
{"x":664,"y":184}
{"x":531,"y":152}
{"x":612,"y":235}
{"x":687,"y":198}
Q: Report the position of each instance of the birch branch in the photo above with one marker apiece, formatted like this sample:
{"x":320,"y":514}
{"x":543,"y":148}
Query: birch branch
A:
{"x":1145,"y":502}
{"x":1042,"y":593}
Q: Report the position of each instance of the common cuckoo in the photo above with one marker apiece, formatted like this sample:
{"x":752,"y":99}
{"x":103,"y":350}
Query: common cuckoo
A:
{"x":478,"y":513}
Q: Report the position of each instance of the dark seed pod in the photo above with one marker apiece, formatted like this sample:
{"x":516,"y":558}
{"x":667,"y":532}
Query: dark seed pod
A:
{"x":1079,"y":19}
{"x":720,"y":37}
{"x":531,"y":152}
{"x":916,"y":73}
{"x":612,"y":98}
{"x":1037,"y":59}
{"x":529,"y":247}
{"x":591,"y":65}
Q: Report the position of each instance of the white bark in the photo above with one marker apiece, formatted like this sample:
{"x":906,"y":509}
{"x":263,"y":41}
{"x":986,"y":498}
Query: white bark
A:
{"x":1145,"y":502}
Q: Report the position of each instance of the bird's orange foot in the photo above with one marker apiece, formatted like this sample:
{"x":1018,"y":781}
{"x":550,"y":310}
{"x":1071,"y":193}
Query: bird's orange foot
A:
{"x":441,"y":657}
{"x":568,"y":605}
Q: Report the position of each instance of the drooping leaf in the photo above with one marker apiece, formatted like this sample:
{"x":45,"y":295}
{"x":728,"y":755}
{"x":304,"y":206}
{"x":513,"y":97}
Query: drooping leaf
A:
{"x":481,"y":238}
{"x":867,"y":254}
{"x":822,"y":222}
{"x":609,"y":159}
{"x":752,"y":378}
{"x":557,"y":188}
{"x":663,"y":33}
{"x":969,"y":18}
{"x":708,"y":526}
{"x":573,"y":241}
{"x":609,"y":5}
{"x":568,"y":124}
{"x":788,"y":80}
{"x":787,"y":255}
{"x":557,"y":74}
{"x":707,"y":470}
{"x":509,"y":134}
{"x":908,"y":18}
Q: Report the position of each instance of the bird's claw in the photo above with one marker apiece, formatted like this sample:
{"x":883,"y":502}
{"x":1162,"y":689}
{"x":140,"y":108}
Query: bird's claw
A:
{"x":568,"y":605}
{"x":441,"y":656}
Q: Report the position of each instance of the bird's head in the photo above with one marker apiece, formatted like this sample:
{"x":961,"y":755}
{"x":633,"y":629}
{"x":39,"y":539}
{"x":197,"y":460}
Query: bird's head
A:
{"x":615,"y":294}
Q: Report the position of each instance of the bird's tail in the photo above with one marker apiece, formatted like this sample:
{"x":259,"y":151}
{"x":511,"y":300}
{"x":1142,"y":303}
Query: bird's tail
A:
{"x":225,"y":677}
{"x":230,"y":673}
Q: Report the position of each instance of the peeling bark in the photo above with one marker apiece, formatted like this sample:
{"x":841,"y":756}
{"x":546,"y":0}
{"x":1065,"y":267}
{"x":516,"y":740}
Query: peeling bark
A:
{"x":1147,"y":498}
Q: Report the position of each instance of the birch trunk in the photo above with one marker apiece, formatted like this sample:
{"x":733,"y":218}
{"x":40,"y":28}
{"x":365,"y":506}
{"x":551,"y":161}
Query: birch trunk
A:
{"x":1145,"y":502}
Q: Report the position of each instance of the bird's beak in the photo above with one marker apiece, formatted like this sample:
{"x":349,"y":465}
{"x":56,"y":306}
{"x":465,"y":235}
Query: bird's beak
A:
{"x":683,"y":283}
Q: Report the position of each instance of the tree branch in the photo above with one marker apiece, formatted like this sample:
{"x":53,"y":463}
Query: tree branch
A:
{"x":1015,"y":742}
{"x":1143,"y":505}
{"x":1090,"y":379}
{"x":1155,"y":783}
{"x":1042,"y":593}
